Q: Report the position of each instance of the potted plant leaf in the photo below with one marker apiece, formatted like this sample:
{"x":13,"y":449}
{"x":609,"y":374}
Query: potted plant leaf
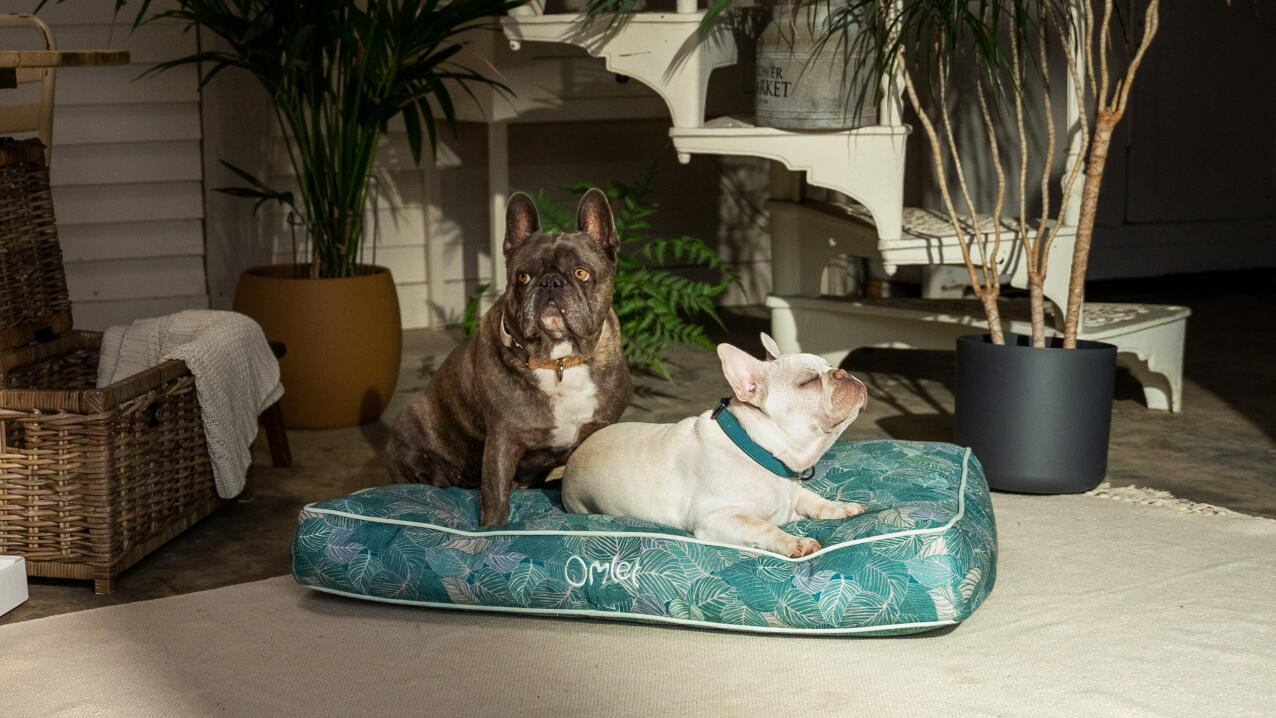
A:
{"x":336,"y":72}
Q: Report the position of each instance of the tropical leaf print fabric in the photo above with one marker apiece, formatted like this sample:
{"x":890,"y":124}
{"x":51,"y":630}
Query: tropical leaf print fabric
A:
{"x":923,"y":555}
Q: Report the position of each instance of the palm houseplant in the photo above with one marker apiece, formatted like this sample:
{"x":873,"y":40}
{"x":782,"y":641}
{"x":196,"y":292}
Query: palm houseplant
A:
{"x":336,"y":72}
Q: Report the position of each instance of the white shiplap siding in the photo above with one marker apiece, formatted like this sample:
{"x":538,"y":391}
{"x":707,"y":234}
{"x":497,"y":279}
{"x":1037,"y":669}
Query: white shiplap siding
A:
{"x":127,"y":173}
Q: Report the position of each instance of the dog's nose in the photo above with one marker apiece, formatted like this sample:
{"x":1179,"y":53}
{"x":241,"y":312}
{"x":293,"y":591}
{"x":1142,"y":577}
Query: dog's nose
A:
{"x":553,"y":280}
{"x":854,"y":387}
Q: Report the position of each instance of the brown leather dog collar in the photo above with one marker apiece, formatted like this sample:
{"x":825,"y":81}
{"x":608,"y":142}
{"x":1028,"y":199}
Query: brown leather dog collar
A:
{"x":557,"y":365}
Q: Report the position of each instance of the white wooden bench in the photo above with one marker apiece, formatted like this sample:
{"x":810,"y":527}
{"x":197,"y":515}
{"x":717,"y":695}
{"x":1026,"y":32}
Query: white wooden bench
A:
{"x":1149,"y":337}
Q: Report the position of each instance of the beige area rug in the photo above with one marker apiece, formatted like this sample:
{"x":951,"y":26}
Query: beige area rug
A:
{"x":1102,"y":608}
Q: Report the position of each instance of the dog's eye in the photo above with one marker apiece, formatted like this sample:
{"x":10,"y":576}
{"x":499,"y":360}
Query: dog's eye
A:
{"x":810,"y":380}
{"x":524,"y":277}
{"x":582,"y":274}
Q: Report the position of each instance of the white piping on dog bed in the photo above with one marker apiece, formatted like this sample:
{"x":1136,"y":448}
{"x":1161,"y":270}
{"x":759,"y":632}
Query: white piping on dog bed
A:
{"x":961,"y":511}
{"x":611,"y":615}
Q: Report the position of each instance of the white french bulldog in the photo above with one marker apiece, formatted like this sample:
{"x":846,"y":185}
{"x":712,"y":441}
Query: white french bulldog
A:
{"x":693,"y":475}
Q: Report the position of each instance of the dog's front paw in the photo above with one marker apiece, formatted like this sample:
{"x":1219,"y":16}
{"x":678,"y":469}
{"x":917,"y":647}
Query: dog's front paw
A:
{"x":840,"y":511}
{"x":851,"y":509}
{"x":804,"y":547}
{"x":494,"y":515}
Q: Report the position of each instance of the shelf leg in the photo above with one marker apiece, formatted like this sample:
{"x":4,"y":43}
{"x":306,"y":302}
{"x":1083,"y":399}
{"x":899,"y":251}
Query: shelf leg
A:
{"x":786,"y":254}
{"x":498,"y":184}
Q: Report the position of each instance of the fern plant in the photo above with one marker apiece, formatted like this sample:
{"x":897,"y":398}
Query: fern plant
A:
{"x":657,"y":307}
{"x":469,"y":322}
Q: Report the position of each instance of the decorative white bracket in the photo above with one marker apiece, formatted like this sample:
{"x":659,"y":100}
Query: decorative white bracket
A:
{"x":866,"y":163}
{"x":661,"y":50}
{"x":665,"y":52}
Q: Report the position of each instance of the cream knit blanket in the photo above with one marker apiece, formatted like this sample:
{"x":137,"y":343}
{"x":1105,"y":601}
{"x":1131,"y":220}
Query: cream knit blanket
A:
{"x":236,"y":377}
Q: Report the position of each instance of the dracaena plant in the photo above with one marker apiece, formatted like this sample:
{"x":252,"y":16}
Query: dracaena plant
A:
{"x":1009,"y":43}
{"x":337,"y":72}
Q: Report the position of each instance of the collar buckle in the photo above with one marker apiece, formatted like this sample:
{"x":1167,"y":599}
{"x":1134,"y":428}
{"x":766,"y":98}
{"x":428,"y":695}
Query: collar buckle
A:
{"x":561,"y":361}
{"x":721,"y":405}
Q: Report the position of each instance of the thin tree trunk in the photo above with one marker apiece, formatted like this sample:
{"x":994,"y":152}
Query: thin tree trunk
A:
{"x":1103,"y":126}
{"x":1036,"y":301}
{"x":994,"y":317}
{"x":988,"y":289}
{"x":993,"y":313}
{"x":314,"y":258}
{"x":1107,"y":114}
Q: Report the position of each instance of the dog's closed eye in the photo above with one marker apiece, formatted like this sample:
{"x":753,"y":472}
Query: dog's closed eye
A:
{"x":808,"y":380}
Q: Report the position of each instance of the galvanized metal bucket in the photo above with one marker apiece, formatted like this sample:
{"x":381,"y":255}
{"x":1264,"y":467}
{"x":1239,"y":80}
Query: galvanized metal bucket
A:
{"x":804,"y":76}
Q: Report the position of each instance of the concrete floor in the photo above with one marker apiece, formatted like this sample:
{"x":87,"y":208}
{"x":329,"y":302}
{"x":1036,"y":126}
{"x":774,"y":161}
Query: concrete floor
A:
{"x":1221,"y":449}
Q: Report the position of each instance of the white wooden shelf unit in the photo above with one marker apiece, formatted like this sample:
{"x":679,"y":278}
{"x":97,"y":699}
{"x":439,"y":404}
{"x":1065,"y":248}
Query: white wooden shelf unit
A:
{"x":663,"y":51}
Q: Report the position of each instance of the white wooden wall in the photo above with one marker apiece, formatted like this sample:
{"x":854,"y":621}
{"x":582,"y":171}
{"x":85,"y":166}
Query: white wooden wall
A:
{"x":126,"y":174}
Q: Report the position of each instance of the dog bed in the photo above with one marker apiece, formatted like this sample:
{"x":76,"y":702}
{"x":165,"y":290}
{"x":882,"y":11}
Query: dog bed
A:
{"x":922,"y":556}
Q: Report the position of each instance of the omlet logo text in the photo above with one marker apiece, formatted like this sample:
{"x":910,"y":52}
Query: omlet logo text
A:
{"x":578,"y":572}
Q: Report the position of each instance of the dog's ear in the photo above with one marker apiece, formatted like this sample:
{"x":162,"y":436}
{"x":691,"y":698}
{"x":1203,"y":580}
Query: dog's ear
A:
{"x":593,"y":217}
{"x":772,"y":349}
{"x":746,"y":375}
{"x":521,"y":221}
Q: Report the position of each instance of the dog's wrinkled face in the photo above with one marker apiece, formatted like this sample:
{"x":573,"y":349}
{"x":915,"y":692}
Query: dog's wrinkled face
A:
{"x":559,"y":285}
{"x":802,"y":394}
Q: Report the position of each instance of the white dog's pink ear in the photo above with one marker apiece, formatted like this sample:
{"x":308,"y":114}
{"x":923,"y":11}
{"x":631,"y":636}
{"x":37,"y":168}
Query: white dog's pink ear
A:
{"x":745,"y":374}
{"x":772,"y":349}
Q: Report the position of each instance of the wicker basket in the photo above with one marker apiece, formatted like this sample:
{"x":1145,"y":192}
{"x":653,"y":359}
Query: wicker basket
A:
{"x":91,"y":480}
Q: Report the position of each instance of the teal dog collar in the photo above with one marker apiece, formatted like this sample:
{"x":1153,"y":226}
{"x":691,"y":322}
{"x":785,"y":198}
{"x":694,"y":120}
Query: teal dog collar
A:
{"x":736,"y":433}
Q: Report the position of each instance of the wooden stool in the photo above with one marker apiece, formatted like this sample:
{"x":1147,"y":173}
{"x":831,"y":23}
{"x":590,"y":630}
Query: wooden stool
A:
{"x":272,"y":420}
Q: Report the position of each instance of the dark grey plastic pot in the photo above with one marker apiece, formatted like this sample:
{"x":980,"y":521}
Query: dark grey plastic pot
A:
{"x":1037,"y":418}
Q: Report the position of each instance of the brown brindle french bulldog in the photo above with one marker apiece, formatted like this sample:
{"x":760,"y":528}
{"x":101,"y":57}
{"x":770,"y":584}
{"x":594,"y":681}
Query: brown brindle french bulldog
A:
{"x":544,"y":371}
